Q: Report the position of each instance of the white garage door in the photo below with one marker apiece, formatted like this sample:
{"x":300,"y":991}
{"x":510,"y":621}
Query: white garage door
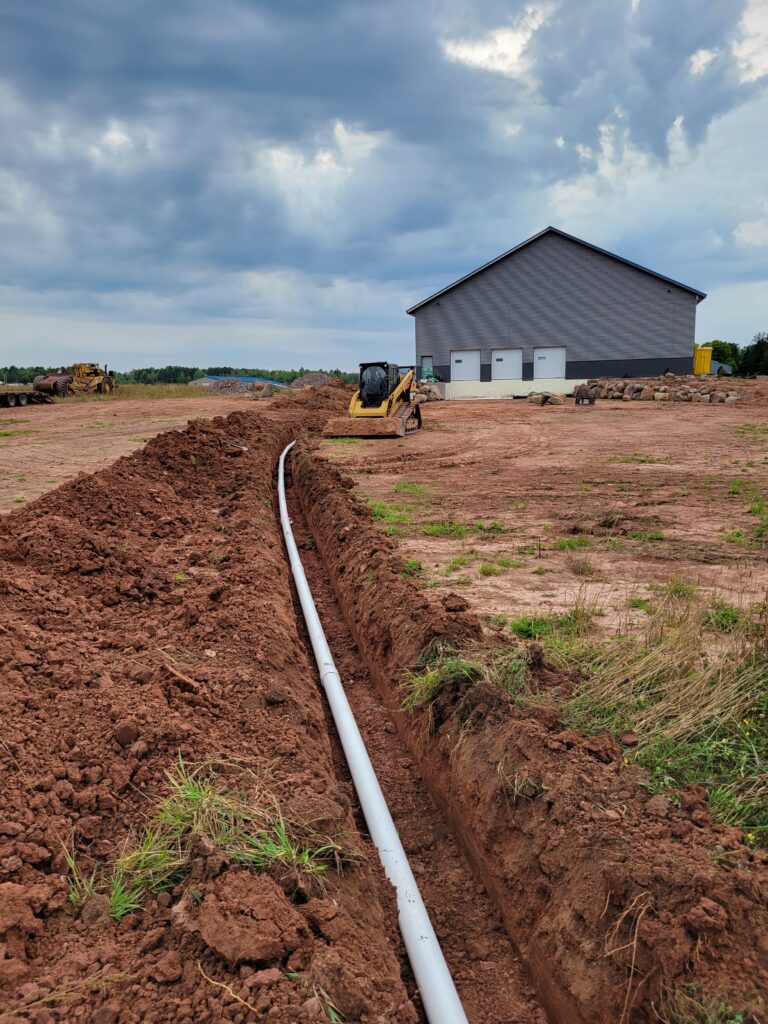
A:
{"x":507,"y":364}
{"x":548,"y":362}
{"x":465,"y":364}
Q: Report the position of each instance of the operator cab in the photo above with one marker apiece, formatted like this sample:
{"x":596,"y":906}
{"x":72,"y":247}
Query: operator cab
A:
{"x":377,"y":382}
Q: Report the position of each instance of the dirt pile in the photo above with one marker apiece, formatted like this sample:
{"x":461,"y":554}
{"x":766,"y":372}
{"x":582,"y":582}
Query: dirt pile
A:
{"x":616,"y":899}
{"x":311,"y":380}
{"x":146,"y":616}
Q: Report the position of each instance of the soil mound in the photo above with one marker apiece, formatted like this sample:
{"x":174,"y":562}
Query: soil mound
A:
{"x":146,"y":616}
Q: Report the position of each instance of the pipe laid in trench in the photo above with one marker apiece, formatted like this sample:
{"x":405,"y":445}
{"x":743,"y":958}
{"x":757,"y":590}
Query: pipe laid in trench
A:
{"x":438,"y":992}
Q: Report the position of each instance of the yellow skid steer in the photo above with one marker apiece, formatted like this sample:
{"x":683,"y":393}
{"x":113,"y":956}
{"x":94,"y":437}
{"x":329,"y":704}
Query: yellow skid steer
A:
{"x":381,"y":406}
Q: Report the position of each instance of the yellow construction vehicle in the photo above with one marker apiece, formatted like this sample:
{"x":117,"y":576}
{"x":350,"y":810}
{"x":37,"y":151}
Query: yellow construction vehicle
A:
{"x":84,"y":377}
{"x":381,"y":406}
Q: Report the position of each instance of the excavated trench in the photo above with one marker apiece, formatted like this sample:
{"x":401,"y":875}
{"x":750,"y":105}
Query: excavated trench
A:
{"x":615,"y":901}
{"x":492,"y":983}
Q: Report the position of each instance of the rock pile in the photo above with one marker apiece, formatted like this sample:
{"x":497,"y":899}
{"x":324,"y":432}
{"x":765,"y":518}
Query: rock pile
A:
{"x":545,"y":398}
{"x":230,"y":386}
{"x":665,"y":389}
{"x":427,"y":393}
{"x":311,"y":380}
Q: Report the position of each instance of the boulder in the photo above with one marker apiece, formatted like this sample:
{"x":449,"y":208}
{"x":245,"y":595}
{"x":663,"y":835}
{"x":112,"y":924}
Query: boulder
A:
{"x":557,"y":400}
{"x":646,"y":394}
{"x":537,"y":399}
{"x":661,"y":396}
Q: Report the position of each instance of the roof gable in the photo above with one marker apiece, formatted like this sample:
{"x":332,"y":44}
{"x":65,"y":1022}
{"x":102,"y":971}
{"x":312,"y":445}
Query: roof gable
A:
{"x":572,"y":238}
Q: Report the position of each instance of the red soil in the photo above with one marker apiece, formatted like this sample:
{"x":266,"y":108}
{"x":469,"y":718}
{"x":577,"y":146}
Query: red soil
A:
{"x":112,"y":666}
{"x":612,"y":897}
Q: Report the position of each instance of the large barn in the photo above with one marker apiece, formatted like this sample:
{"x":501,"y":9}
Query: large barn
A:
{"x":552,"y":312}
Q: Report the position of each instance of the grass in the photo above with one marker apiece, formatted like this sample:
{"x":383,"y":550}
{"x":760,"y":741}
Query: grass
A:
{"x":392,"y":516}
{"x":414,"y":490}
{"x":444,"y":528}
{"x":18,"y":433}
{"x":139,"y":440}
{"x":639,"y":604}
{"x":571,"y":543}
{"x":442,"y":666}
{"x":81,"y":887}
{"x":493,"y":527}
{"x":645,"y":535}
{"x":251,"y":830}
{"x":489,"y":569}
{"x":180,"y":577}
{"x":459,"y":561}
{"x":509,"y":563}
{"x":694,"y":692}
{"x":518,"y":506}
{"x":582,"y":567}
{"x":412,"y":567}
{"x":573,"y":623}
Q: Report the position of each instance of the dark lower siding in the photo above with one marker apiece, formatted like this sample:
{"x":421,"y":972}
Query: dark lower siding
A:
{"x":586,"y":368}
{"x":628,"y":367}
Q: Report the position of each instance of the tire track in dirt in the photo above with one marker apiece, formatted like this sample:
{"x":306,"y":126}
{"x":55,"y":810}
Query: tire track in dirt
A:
{"x":489,"y":976}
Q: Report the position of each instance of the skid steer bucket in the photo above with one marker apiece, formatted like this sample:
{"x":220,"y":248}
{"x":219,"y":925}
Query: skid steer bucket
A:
{"x":405,"y":420}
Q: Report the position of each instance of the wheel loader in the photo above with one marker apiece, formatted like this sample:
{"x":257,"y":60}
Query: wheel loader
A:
{"x":381,"y":406}
{"x":85,"y":377}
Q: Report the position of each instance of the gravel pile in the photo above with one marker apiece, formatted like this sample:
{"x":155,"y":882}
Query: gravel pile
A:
{"x":312,"y":380}
{"x":231,"y":386}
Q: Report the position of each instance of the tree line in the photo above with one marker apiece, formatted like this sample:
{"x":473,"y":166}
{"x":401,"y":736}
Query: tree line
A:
{"x":171,"y":374}
{"x":744,"y":360}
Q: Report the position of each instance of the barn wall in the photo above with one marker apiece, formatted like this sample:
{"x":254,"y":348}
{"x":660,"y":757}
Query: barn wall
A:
{"x":558,"y":292}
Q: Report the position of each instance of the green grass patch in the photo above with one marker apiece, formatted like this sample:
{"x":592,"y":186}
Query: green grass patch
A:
{"x":391,"y":515}
{"x":639,"y":604}
{"x":443,"y":666}
{"x":518,"y":506}
{"x":412,"y":567}
{"x":444,"y":528}
{"x":459,"y":562}
{"x":18,"y":433}
{"x":575,"y":622}
{"x":494,"y":527}
{"x":676,"y":587}
{"x":489,"y":569}
{"x":571,"y":543}
{"x":180,"y":577}
{"x":700,"y":708}
{"x":509,"y":563}
{"x":415,"y":490}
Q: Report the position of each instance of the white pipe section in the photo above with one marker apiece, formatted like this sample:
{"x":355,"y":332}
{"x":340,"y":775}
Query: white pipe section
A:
{"x":438,"y":993}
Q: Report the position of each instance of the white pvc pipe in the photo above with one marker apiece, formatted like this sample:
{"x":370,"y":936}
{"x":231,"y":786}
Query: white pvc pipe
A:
{"x":438,"y":993}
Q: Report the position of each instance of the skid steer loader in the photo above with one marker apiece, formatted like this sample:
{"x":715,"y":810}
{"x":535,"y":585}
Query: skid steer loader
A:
{"x":381,"y":406}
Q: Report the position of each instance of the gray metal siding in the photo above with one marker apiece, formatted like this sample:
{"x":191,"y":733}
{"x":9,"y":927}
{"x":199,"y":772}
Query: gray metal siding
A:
{"x":557,"y":292}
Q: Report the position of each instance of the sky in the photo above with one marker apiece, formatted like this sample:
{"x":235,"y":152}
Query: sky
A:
{"x":271,"y":184}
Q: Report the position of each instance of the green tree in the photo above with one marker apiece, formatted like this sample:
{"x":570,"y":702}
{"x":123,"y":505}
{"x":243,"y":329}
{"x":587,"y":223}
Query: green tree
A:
{"x":754,"y":358}
{"x":726,"y":352}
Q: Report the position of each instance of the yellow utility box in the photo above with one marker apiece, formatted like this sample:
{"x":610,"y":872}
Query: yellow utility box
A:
{"x":702,"y":360}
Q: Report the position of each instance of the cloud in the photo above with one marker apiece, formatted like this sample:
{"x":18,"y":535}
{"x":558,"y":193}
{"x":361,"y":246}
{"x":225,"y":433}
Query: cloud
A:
{"x":753,"y":232}
{"x":297,"y":174}
{"x":751,"y":47}
{"x":503,"y":49}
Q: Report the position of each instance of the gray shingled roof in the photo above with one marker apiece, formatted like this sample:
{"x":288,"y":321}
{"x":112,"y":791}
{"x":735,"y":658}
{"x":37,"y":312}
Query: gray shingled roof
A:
{"x":572,"y":238}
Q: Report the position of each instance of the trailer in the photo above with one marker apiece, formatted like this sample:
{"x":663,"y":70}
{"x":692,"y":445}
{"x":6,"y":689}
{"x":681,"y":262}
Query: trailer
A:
{"x":12,"y":395}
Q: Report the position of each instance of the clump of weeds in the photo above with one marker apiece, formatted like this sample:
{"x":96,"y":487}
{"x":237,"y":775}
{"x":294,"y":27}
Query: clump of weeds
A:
{"x":250,"y":829}
{"x":412,"y":567}
{"x":571,"y":543}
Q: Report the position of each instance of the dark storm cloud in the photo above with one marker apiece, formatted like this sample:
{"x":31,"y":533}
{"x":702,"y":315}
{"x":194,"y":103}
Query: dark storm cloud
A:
{"x":163,"y":150}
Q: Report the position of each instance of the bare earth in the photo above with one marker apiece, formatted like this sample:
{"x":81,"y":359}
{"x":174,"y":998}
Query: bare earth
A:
{"x":645,"y":487}
{"x":42,"y":446}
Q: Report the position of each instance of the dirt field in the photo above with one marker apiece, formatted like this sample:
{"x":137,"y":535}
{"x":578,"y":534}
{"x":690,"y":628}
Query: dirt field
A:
{"x":179,"y":839}
{"x":42,"y":446}
{"x":647,"y":488}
